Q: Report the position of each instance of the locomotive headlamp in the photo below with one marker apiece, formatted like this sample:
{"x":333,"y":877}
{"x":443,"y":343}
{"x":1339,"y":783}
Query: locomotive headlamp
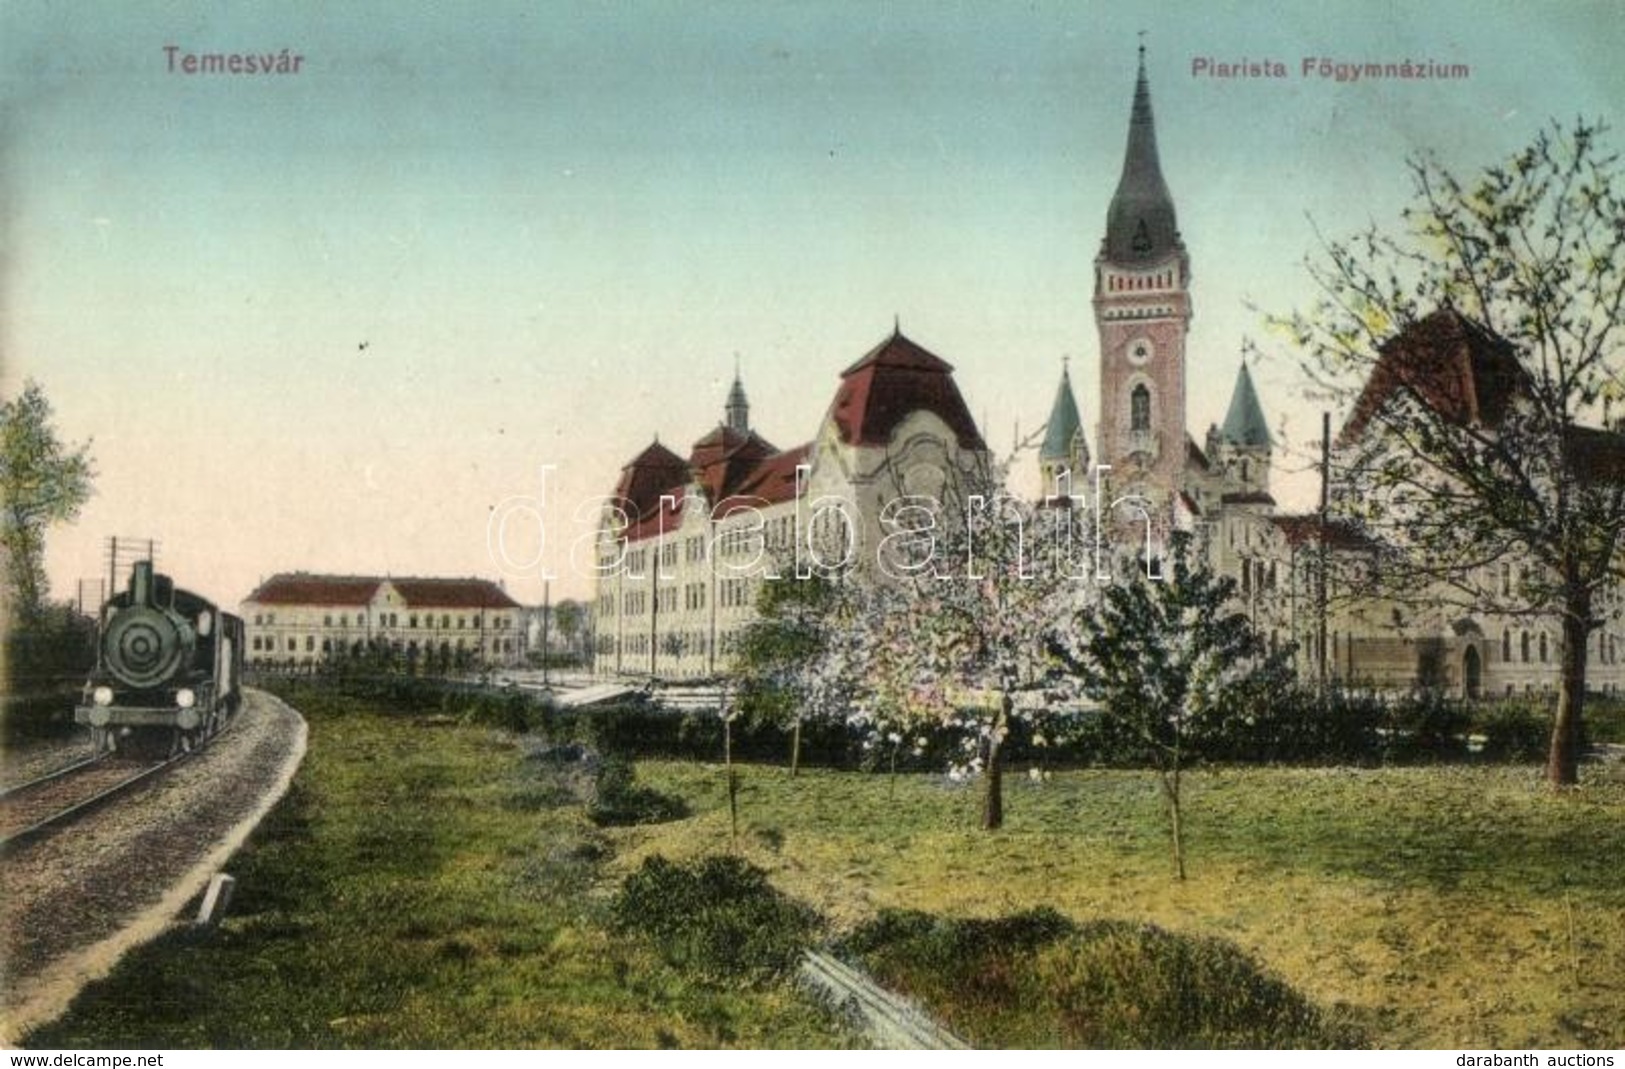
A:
{"x":102,"y":695}
{"x":185,"y":698}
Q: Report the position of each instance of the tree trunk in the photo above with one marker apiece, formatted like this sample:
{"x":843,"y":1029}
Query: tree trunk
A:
{"x":795,"y":749}
{"x":733,"y":785}
{"x":1170,"y":788}
{"x":993,"y":799}
{"x":1563,"y":761}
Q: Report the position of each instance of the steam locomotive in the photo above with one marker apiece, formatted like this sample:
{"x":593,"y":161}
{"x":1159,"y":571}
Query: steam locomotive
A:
{"x":168,"y":667}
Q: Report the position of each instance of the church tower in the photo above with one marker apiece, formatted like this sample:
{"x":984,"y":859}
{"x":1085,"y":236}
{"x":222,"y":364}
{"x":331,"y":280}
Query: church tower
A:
{"x":1142,"y":311}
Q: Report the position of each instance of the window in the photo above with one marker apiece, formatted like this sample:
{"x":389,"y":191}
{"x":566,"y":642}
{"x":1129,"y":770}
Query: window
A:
{"x":1523,"y":641}
{"x":412,"y":621}
{"x":293,"y":644}
{"x":1506,"y":644}
{"x":1543,"y":647}
{"x":1139,"y":407}
{"x":327,"y":621}
{"x":310,"y":643}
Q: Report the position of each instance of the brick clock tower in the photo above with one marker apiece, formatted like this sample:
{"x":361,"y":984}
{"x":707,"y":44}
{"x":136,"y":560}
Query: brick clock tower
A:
{"x":1143,"y":310}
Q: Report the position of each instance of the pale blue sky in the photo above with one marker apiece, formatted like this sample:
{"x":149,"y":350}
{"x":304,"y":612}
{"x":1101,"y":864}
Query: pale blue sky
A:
{"x":554,"y":226}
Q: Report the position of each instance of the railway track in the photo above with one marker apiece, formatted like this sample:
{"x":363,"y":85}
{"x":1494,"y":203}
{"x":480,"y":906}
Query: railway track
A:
{"x":893,"y":1023}
{"x":40,"y":806}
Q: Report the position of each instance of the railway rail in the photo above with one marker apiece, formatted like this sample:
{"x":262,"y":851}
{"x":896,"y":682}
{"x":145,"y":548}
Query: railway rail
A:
{"x":32,"y":810}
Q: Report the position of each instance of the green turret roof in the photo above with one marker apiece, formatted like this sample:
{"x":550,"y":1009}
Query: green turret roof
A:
{"x":1244,"y":424}
{"x":1064,"y":424}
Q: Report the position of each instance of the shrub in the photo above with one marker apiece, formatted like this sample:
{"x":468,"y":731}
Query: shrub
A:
{"x":619,"y":801}
{"x":1037,"y":979}
{"x":1426,"y":725}
{"x":718,"y":918}
{"x":1515,"y":731}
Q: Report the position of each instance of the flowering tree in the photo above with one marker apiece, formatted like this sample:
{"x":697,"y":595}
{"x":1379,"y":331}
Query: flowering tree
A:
{"x":954,"y":632}
{"x":1162,"y":657}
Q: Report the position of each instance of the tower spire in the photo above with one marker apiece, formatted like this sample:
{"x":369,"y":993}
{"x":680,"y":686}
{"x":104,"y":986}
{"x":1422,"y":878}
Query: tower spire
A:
{"x":738,"y":410}
{"x":1140,"y":225}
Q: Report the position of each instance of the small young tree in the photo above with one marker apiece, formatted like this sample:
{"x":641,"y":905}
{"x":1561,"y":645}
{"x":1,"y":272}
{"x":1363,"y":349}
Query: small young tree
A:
{"x":1161,"y":656}
{"x":42,"y":482}
{"x":797,"y":620}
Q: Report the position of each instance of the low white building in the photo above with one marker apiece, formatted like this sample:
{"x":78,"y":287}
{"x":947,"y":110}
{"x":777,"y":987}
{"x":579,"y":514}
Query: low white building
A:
{"x":298,"y":619}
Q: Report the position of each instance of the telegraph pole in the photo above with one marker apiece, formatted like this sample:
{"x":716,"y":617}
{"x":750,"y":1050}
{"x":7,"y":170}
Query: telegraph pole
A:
{"x":547,"y":621}
{"x":1325,"y":500}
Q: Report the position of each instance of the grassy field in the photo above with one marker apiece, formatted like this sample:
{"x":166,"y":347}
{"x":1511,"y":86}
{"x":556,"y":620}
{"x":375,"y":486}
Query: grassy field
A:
{"x":1436,"y":907}
{"x":422,"y":886}
{"x":425,"y":884}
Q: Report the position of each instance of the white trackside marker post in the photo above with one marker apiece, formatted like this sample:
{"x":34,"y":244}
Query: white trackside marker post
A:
{"x":216,"y":899}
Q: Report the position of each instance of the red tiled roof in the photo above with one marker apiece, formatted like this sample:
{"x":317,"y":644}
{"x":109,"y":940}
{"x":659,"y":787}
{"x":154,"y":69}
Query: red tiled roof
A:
{"x":452,"y":594}
{"x":1451,"y":364}
{"x":894,"y":379}
{"x":653,"y":472}
{"x":771,"y":482}
{"x":666,"y":515}
{"x":304,"y":588}
{"x":726,"y":457}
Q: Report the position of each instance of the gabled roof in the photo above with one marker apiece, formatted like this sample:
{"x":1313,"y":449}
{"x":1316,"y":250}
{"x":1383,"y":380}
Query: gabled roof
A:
{"x":1064,"y":424}
{"x":1244,"y":423}
{"x":1140,"y":224}
{"x":893,"y":380}
{"x":305,"y":588}
{"x":1448,"y":362}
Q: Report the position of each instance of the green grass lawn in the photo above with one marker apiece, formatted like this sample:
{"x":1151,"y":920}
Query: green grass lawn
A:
{"x":421,"y":886}
{"x":1454,"y":906}
{"x":425,"y":885}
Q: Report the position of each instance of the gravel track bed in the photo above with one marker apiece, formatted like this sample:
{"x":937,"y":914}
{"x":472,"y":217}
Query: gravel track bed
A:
{"x":39,"y":757}
{"x":64,"y":899}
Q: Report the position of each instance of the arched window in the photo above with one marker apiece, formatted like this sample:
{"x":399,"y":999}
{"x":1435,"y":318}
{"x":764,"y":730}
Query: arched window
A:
{"x":1543,"y":647}
{"x":1524,"y":642}
{"x":1244,"y":470}
{"x":1506,"y":644}
{"x":1139,"y":408}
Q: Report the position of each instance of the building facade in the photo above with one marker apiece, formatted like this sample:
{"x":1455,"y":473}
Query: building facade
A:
{"x":299,"y":620}
{"x":689,"y":540}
